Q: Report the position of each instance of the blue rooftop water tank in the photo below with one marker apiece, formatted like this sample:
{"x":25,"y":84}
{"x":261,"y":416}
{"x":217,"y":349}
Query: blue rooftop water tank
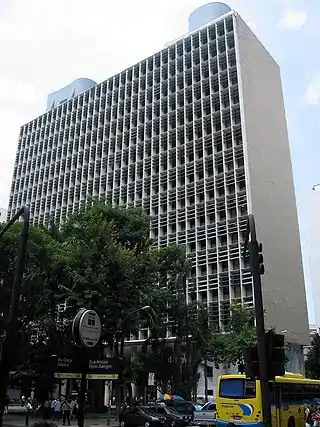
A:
{"x":207,"y":13}
{"x":68,"y":92}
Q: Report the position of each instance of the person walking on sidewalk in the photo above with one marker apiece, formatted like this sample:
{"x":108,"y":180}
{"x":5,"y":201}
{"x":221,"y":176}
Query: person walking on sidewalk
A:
{"x":66,"y":412}
{"x":57,"y":410}
{"x":29,"y":409}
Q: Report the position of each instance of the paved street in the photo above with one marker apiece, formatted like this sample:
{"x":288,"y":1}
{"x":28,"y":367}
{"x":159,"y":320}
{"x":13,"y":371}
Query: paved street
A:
{"x":19,"y":421}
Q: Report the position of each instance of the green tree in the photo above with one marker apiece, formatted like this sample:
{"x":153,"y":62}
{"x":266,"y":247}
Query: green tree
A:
{"x":103,"y":258}
{"x":114,"y":268}
{"x":37,"y":310}
{"x":227,"y":347}
{"x":176,"y":372}
{"x":313,"y":359}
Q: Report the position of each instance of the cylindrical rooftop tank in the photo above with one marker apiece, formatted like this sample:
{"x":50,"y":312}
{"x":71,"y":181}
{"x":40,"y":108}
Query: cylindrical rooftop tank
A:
{"x":207,"y":13}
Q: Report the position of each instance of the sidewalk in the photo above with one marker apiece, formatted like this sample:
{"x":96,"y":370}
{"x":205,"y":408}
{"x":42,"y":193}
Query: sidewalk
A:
{"x":19,"y":421}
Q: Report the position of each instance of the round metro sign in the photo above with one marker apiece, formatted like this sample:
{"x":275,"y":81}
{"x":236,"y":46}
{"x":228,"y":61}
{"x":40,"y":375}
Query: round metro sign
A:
{"x":87,"y":328}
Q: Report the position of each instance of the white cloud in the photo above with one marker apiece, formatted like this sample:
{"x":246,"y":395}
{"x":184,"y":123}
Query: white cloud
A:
{"x":293,"y":19}
{"x":17,"y":91}
{"x":312,"y":95}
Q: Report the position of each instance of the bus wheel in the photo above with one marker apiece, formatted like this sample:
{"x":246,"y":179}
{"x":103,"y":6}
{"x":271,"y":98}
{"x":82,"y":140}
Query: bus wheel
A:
{"x":291,"y":422}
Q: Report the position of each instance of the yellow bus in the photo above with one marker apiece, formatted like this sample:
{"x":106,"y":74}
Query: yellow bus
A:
{"x":238,"y":400}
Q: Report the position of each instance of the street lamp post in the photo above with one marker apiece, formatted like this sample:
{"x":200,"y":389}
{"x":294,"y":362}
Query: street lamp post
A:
{"x":86,"y":331}
{"x":7,"y":347}
{"x":115,"y":340}
{"x":131,"y":313}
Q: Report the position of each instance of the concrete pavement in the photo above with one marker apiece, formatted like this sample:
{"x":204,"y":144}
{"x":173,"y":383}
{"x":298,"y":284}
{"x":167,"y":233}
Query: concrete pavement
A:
{"x":19,"y":421}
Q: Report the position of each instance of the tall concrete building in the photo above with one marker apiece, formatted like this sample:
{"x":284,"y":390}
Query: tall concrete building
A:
{"x":196,"y":135}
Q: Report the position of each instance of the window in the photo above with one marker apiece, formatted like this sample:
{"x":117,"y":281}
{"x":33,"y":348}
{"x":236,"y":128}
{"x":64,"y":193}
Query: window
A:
{"x":237,"y":388}
{"x":297,"y":392}
{"x":211,"y":406}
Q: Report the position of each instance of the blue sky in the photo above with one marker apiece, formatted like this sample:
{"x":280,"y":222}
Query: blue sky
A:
{"x":294,"y":41}
{"x":46,"y":45}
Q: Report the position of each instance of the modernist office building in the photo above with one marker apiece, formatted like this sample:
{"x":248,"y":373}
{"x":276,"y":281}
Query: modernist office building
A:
{"x":196,"y":135}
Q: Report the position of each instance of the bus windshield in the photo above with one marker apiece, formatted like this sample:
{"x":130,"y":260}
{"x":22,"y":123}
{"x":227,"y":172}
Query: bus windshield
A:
{"x":237,"y":388}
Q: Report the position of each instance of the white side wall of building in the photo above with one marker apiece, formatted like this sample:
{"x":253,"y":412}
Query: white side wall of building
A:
{"x":271,"y":194}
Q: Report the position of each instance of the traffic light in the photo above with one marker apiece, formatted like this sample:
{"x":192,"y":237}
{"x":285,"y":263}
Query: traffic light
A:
{"x":260,"y":257}
{"x":251,"y":362}
{"x":277,"y":355}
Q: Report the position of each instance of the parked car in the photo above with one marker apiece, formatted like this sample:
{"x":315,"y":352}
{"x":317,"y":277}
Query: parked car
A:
{"x":207,"y":416}
{"x":174,"y":417}
{"x":197,"y":406}
{"x":142,"y":416}
{"x":182,"y":406}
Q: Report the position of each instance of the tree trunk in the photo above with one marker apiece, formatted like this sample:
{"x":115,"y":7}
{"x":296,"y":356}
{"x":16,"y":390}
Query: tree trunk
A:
{"x":177,"y":362}
{"x":119,"y":384}
{"x":205,"y":368}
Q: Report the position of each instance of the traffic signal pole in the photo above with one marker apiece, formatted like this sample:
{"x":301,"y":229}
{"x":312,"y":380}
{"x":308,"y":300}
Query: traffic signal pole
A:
{"x":254,"y":253}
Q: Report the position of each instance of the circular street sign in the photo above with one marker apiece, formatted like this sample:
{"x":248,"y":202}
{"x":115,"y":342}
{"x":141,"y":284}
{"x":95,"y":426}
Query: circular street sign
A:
{"x":89,"y":328}
{"x":75,"y":326}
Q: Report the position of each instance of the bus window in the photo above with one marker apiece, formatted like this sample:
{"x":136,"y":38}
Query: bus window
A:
{"x":249,"y":388}
{"x":237,"y":388}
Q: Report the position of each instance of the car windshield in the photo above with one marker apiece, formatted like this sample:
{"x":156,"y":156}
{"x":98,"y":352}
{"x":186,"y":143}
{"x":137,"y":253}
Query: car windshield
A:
{"x":148,"y":410}
{"x":172,"y":411}
{"x":235,"y":388}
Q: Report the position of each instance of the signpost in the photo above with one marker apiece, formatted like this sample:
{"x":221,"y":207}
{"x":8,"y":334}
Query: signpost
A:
{"x":86,"y":331}
{"x":86,"y":328}
{"x":106,"y":369}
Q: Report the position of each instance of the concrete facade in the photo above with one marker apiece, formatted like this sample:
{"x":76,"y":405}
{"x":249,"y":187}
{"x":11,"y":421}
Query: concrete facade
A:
{"x":196,"y":136}
{"x":270,"y":188}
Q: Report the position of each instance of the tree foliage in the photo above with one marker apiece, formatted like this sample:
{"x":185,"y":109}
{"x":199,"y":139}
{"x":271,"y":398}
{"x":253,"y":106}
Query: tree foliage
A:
{"x":103,"y":258}
{"x":39,"y":294}
{"x":227,"y":347}
{"x":313,"y":359}
{"x":115,"y":266}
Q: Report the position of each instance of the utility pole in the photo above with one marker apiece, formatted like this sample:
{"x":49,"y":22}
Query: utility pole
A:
{"x":7,"y":348}
{"x":257,"y":268}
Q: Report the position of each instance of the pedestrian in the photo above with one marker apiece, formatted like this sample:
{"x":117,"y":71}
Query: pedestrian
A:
{"x":316,"y":417}
{"x":74,"y":416}
{"x":308,"y":417}
{"x":6,"y":404}
{"x":29,"y":409}
{"x":57,"y":410}
{"x":52,"y":403}
{"x":66,"y":412}
{"x":46,"y":410}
